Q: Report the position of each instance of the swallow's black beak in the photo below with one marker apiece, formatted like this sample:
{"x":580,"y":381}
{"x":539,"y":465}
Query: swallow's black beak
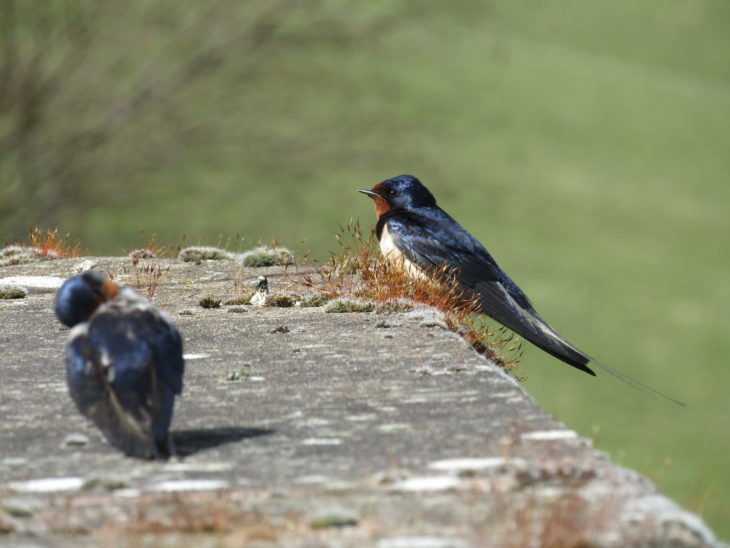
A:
{"x":370,"y":193}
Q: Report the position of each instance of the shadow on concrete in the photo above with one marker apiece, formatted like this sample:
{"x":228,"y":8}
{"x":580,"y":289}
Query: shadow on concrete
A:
{"x":189,"y":442}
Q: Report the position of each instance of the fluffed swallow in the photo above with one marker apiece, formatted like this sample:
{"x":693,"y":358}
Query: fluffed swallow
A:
{"x":416,"y":234}
{"x":124,"y":363}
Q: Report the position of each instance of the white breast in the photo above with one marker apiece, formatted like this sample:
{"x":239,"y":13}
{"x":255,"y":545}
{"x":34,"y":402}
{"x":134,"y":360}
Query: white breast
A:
{"x":395,"y":256}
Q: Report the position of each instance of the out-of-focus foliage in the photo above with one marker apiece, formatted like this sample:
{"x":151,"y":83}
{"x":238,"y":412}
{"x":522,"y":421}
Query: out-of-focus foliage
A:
{"x":101,"y":103}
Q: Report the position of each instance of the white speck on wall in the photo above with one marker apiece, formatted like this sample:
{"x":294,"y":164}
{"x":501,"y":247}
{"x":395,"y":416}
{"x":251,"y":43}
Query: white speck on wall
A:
{"x":465,"y":464}
{"x":549,"y":435}
{"x":322,"y":441}
{"x":44,"y":282}
{"x":427,"y":483}
{"x":47,"y":485}
{"x":198,"y":466}
{"x":190,"y":485}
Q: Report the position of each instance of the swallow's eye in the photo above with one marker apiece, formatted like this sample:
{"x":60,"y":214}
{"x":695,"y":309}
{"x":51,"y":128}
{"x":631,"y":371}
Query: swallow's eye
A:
{"x":392,"y":192}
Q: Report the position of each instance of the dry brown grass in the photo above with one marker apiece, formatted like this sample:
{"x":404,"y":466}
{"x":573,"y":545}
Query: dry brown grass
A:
{"x":360,"y":271}
{"x":51,"y":244}
{"x":147,"y":275}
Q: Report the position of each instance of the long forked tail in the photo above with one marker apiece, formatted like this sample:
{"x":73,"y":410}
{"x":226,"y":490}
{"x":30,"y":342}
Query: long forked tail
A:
{"x":510,"y":307}
{"x":529,"y":325}
{"x":636,"y":384}
{"x":574,"y":356}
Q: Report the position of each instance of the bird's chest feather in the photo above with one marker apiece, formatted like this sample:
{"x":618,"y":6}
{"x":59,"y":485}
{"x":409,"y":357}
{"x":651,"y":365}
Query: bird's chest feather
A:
{"x":396,"y":257}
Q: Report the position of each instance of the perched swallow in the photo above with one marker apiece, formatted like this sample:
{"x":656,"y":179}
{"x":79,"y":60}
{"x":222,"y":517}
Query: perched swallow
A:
{"x":124,"y":363}
{"x":418,"y":235}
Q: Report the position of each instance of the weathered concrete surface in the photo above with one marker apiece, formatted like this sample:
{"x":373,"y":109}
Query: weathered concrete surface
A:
{"x":347,"y":430}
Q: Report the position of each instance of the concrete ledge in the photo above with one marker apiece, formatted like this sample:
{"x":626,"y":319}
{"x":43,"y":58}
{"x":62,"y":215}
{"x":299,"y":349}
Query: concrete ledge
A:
{"x":303,"y":428}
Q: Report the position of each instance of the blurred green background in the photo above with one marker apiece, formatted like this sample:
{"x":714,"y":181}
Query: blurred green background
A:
{"x":586,"y":143}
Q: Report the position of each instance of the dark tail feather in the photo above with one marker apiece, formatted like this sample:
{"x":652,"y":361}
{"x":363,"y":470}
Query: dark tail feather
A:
{"x":122,"y":430}
{"x":569,"y":356}
{"x":581,"y":363}
{"x":510,"y":307}
{"x":578,"y":359}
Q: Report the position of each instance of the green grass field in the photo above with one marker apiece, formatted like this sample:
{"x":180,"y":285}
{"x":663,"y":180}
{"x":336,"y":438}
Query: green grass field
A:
{"x":585,"y":143}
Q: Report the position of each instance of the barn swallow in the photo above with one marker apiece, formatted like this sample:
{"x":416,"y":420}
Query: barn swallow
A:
{"x":416,"y":234}
{"x":124,"y":363}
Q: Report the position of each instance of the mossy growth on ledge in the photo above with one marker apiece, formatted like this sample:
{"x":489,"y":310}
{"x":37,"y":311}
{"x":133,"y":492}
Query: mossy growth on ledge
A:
{"x":267,"y":256}
{"x":196,"y":254}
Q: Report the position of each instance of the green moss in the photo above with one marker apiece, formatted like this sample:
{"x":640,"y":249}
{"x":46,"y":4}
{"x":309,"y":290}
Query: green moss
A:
{"x":143,"y":253}
{"x":209,"y":302}
{"x":12,"y":292}
{"x":315,"y":300}
{"x":280,"y":301}
{"x":333,"y":518}
{"x":394,"y":307}
{"x":267,"y":256}
{"x":107,"y":484}
{"x":245,"y":299}
{"x":23,"y":254}
{"x":341,"y":306}
{"x":196,"y":254}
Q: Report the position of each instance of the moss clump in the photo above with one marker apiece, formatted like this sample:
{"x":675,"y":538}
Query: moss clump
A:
{"x":341,"y":306}
{"x":196,"y":254}
{"x":209,"y":302}
{"x":245,"y":299}
{"x":267,"y":256}
{"x":316,"y":300}
{"x":12,"y":292}
{"x":394,"y":307}
{"x":23,"y":254}
{"x":142,"y":253}
{"x":237,"y":310}
{"x":333,"y":517}
{"x":280,"y":301}
{"x":104,"y":483}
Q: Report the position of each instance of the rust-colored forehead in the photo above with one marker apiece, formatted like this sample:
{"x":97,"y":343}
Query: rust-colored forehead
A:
{"x":378,"y":187}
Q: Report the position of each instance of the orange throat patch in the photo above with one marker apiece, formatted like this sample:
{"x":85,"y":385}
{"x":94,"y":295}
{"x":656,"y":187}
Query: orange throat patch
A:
{"x":381,"y":206}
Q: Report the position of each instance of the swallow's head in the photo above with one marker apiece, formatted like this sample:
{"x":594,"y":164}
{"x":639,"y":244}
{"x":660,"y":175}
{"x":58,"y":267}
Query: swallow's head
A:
{"x":402,"y":192}
{"x":81,"y":295}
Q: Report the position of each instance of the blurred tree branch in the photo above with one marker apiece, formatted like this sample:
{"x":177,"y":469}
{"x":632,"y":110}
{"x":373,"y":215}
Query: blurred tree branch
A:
{"x":93,"y":93}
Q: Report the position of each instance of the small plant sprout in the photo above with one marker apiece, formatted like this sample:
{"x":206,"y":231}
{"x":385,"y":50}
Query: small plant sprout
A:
{"x":147,"y":275}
